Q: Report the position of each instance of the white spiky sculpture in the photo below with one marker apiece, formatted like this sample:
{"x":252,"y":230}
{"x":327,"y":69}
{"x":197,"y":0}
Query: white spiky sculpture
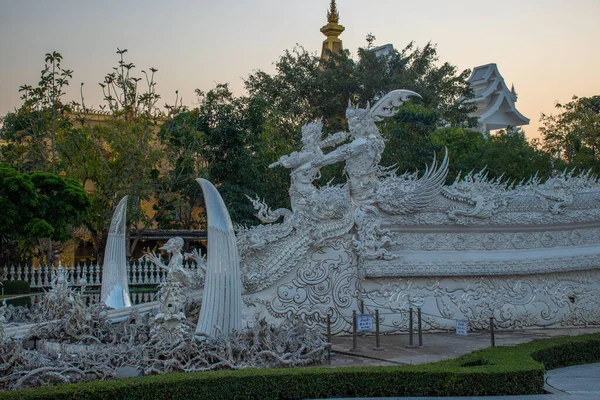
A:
{"x":221,"y":311}
{"x":115,"y":286}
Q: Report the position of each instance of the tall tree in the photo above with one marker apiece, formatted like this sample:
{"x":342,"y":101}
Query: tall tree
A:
{"x":505,"y":153}
{"x":232,"y":126}
{"x":111,"y":153}
{"x":30,"y":133}
{"x":573,"y":135}
{"x":119,"y":156}
{"x":39,"y":208}
{"x":184,"y":160}
{"x":305,"y":88}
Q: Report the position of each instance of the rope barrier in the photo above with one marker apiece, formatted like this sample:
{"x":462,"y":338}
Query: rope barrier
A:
{"x":410,"y":328}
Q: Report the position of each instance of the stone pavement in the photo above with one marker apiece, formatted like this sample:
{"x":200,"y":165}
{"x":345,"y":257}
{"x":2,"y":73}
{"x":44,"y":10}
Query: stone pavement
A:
{"x":571,"y":383}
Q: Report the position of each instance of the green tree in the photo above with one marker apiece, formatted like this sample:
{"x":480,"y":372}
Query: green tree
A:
{"x":118,"y":155}
{"x":508,"y":154}
{"x":505,"y":153}
{"x":40,"y":209}
{"x":304,"y":88}
{"x":122,"y":94}
{"x":18,"y":199}
{"x":31,"y":132}
{"x":232,"y":127}
{"x":117,"y":158}
{"x":179,"y":194}
{"x":465,"y":149}
{"x":573,"y":135}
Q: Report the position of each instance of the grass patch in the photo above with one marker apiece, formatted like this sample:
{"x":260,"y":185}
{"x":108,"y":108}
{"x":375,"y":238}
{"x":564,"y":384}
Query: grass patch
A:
{"x":493,"y":371}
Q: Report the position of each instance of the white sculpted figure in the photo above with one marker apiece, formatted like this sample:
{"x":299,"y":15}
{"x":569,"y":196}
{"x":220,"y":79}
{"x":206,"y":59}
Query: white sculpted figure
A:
{"x":303,"y":171}
{"x":309,"y":203}
{"x":369,"y":185}
{"x":176,"y":271}
{"x":363,"y":153}
{"x":169,"y":323}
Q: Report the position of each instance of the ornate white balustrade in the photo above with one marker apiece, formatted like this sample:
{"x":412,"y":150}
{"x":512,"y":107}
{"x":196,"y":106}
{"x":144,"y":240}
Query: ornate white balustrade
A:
{"x":139,"y":274}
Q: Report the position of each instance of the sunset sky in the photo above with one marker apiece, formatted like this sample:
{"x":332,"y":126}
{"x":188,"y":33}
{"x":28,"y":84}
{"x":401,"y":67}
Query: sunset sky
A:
{"x":549,"y":49}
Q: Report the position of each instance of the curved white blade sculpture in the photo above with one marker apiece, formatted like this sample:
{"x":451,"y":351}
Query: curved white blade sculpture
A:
{"x":221,"y":311}
{"x":115,"y":288}
{"x":388,"y":104}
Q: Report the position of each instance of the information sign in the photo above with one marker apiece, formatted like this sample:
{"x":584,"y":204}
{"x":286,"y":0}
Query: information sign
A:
{"x":461,"y":328}
{"x":364,"y":322}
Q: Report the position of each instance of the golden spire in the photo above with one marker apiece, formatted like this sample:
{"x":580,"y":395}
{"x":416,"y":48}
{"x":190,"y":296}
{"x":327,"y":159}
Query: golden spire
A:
{"x":332,"y":30}
{"x":332,"y":14}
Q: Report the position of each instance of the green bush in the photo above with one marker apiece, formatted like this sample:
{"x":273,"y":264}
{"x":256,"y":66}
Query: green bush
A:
{"x":16,"y":288}
{"x":578,"y":350}
{"x":493,"y":371}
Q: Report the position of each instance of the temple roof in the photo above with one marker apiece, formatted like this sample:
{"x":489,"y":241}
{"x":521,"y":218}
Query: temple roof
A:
{"x":495,"y":101}
{"x":384,"y":50}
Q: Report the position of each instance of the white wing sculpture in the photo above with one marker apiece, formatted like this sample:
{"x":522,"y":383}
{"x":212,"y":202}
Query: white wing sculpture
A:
{"x":115,"y":288}
{"x":221,"y":311}
{"x":386,"y":106}
{"x":406,"y":195}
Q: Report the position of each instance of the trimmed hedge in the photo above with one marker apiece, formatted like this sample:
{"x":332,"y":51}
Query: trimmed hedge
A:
{"x":569,"y":352}
{"x":493,"y":371}
{"x":16,"y":288}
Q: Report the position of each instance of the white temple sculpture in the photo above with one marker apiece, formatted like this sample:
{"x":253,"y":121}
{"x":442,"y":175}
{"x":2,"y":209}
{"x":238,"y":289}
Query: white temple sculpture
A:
{"x":115,"y":287}
{"x":222,"y":300}
{"x":526,"y":253}
{"x":494,"y":100}
{"x":169,"y":323}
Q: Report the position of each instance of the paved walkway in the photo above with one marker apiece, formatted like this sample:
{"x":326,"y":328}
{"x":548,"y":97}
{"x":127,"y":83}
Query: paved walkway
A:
{"x":572,"y":383}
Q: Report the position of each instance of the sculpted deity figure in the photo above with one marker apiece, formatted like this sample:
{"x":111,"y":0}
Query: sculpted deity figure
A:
{"x":177,"y":273}
{"x":362,"y":154}
{"x":303,"y":171}
{"x":169,"y":323}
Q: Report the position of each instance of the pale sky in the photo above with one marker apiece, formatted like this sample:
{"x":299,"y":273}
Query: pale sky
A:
{"x":549,"y":49}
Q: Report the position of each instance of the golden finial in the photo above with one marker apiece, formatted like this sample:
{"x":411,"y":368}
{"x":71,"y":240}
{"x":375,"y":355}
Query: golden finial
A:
{"x":332,"y":31}
{"x":332,"y":14}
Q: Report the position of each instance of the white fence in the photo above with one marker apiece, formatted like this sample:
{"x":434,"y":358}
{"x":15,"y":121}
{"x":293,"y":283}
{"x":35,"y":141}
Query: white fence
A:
{"x":92,"y":297}
{"x":139,"y":274}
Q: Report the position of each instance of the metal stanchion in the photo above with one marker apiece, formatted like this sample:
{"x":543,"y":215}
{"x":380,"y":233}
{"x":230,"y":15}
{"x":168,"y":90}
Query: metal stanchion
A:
{"x":410,"y":327}
{"x":329,"y":338}
{"x":354,"y":345}
{"x":377,"y":344}
{"x":420,"y":327}
{"x":492,"y":332}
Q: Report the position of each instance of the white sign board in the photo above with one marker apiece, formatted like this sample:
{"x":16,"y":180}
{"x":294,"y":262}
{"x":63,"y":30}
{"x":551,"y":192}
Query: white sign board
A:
{"x":364,"y":322}
{"x":461,"y":328}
